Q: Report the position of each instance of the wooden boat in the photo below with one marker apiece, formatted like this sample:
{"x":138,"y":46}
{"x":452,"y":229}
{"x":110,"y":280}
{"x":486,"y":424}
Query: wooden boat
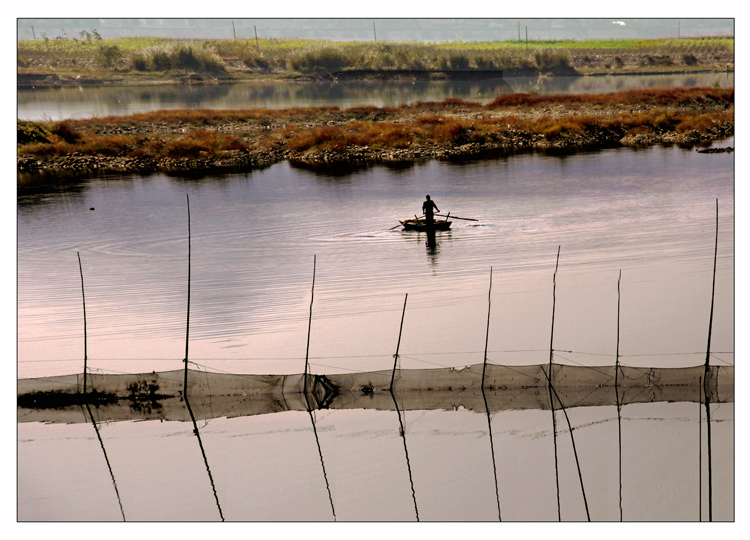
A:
{"x":419,"y":224}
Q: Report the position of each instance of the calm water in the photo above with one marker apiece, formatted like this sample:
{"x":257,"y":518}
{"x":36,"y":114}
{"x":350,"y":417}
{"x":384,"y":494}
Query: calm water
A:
{"x":453,"y":465}
{"x":59,"y":103}
{"x":649,"y":214}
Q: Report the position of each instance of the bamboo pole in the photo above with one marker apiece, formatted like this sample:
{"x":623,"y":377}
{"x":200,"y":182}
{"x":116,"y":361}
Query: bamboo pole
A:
{"x":398,"y":345}
{"x":487,"y":336}
{"x":713,"y":289}
{"x":187,"y":326}
{"x":552,"y":330}
{"x":706,"y":377}
{"x":85,"y":334}
{"x":309,"y":324}
{"x":549,"y":385}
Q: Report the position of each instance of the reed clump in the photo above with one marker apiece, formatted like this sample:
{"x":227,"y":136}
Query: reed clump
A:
{"x":178,"y":56}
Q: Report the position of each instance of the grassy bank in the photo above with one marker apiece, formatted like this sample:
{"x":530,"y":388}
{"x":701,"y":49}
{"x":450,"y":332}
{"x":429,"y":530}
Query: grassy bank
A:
{"x":241,"y":139}
{"x":87,"y":55}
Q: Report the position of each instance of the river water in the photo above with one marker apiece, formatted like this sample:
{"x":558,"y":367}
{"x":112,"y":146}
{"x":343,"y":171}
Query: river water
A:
{"x":83,"y":102}
{"x":646,"y":217}
{"x":255,"y":238}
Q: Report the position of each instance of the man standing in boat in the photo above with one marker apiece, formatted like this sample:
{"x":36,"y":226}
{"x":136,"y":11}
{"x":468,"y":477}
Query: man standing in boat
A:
{"x":427,"y":209}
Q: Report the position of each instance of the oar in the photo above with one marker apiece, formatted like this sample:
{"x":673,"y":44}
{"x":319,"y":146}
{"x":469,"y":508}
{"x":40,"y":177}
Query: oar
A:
{"x":456,"y":217}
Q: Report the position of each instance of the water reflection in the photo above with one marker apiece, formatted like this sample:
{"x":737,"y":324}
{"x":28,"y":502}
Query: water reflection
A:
{"x":311,"y":408}
{"x":492,"y":451}
{"x":106,"y":458}
{"x":197,"y":434}
{"x":402,"y":434}
{"x":653,"y":434}
{"x":80,"y":102}
{"x":432,"y":241}
{"x":572,"y":441}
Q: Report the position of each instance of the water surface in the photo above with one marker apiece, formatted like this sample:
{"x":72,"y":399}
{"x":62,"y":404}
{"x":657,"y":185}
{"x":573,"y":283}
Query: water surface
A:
{"x":84,"y":102}
{"x":645,"y":462}
{"x":648,"y":213}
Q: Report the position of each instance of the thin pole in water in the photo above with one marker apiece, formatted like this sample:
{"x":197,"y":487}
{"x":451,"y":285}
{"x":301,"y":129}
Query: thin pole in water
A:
{"x":398,"y":345}
{"x":549,"y":382}
{"x":487,"y":336}
{"x":187,"y":326}
{"x":85,"y":336}
{"x":706,"y":376}
{"x":713,"y":289}
{"x":552,"y":330}
{"x":309,"y":324}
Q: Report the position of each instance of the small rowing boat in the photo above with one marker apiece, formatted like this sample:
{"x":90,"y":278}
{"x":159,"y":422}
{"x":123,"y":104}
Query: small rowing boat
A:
{"x":420,"y":224}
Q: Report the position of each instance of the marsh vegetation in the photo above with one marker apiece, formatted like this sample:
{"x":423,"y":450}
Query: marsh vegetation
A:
{"x":209,"y":139}
{"x":137,"y":58}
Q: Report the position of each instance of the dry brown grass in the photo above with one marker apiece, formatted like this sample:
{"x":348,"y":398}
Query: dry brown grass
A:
{"x":451,"y":123}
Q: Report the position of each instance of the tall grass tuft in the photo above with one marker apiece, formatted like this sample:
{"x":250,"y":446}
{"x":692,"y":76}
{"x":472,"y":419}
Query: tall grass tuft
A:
{"x":318,"y":60}
{"x":551,"y":58}
{"x":178,"y":56}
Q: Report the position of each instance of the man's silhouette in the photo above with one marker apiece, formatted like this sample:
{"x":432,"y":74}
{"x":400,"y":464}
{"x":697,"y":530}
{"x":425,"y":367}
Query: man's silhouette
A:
{"x":428,"y":208}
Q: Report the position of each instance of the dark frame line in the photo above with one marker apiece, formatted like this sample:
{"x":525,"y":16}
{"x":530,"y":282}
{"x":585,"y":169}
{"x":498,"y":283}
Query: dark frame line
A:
{"x":617,"y":394}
